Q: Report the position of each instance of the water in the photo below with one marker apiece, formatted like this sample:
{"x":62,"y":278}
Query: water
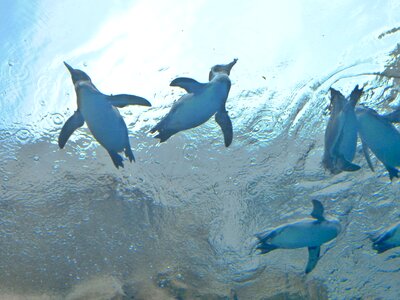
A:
{"x":180,"y":222}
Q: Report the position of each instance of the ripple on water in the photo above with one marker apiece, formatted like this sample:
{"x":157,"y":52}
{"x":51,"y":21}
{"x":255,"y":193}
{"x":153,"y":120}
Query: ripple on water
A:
{"x":84,"y":142}
{"x":251,"y":188}
{"x":190,"y":151}
{"x":24,"y":135}
{"x":58,"y":119}
{"x":19,"y":70}
{"x":264,"y":128}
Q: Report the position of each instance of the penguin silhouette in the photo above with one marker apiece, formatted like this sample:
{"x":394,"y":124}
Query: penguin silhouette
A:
{"x":202,"y":101}
{"x":101,"y":115}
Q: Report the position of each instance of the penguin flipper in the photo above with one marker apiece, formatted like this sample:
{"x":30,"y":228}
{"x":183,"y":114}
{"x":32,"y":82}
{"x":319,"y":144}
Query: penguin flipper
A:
{"x":345,"y":165}
{"x":123,"y":100}
{"x":223,"y":120}
{"x":318,"y":210}
{"x":188,"y":84}
{"x":367,"y":156}
{"x":73,"y":123}
{"x":313,"y":257}
{"x":116,"y":158}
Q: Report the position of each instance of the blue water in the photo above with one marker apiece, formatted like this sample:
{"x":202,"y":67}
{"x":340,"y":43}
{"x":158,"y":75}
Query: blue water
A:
{"x":180,"y":222}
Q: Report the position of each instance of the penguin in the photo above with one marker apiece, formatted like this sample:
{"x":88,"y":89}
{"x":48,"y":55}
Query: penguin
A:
{"x":393,"y":117}
{"x":202,"y":101}
{"x":378,"y":134}
{"x":310,"y":233}
{"x":101,"y":115}
{"x":341,"y":133}
{"x":389,"y":239}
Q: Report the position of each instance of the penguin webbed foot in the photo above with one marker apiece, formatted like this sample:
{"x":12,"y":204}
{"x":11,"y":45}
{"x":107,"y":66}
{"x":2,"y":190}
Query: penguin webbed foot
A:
{"x":348,"y":166}
{"x":393,"y":172}
{"x":116,"y":158}
{"x":129,"y":154}
{"x":163,"y":134}
{"x":265,"y":248}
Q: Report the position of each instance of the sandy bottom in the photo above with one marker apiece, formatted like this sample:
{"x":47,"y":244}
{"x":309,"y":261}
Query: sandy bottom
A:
{"x":110,"y":288}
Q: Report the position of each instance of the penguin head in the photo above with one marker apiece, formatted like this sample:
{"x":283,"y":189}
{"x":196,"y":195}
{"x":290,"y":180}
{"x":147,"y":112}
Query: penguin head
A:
{"x":338,"y":101}
{"x":77,"y":75}
{"x":221,"y":69}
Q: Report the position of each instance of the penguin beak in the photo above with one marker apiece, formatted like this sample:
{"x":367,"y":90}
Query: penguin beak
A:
{"x":227,"y":68}
{"x":222,"y":69}
{"x":77,"y":75}
{"x":70,"y":69}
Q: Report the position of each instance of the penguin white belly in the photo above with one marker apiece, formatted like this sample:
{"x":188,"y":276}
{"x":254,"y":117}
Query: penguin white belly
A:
{"x":381,"y":137}
{"x":303,"y":234}
{"x":193,"y":110}
{"x":348,"y":143}
{"x":103,"y":120}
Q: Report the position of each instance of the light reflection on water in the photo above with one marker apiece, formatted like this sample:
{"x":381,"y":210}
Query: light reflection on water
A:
{"x":180,"y":221}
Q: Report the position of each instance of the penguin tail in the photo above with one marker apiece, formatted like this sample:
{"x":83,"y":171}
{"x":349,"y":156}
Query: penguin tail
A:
{"x":116,"y":158}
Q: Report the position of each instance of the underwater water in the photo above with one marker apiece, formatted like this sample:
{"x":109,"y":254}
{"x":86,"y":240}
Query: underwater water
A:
{"x":179,"y":223}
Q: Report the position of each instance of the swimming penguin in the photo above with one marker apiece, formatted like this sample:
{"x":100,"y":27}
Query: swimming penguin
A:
{"x":393,"y":117}
{"x":341,"y":133}
{"x":389,"y":239}
{"x":310,"y":233}
{"x":202,"y":101}
{"x":379,"y":135}
{"x":101,"y":115}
